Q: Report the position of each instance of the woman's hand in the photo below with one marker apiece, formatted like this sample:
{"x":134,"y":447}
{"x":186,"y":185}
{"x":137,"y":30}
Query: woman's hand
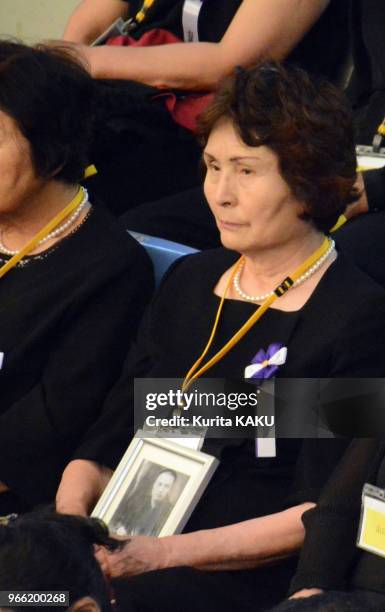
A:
{"x":138,"y":555}
{"x":303,"y":593}
{"x":244,"y":545}
{"x":81,"y":485}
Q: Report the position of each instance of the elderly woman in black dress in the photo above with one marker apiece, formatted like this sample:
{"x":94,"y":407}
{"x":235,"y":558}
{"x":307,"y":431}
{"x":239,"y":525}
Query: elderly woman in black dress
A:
{"x":280,"y":168}
{"x":73,"y":284}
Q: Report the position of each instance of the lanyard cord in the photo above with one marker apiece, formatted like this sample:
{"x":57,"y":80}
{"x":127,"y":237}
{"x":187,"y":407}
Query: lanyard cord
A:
{"x":42,"y":233}
{"x":141,"y":14}
{"x":194,"y":372}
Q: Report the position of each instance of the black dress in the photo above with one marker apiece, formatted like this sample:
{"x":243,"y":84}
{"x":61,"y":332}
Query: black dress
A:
{"x":141,"y":153}
{"x":67,"y":317}
{"x":337,"y":333}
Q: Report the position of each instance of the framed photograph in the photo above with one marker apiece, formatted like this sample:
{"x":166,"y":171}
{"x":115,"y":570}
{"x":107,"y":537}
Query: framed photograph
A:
{"x":155,"y":488}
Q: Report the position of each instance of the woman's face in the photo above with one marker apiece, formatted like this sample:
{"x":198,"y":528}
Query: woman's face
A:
{"x":18,"y":178}
{"x":252,"y":204}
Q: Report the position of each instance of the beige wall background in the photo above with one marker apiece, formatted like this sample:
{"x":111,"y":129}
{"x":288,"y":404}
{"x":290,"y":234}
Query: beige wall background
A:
{"x":33,"y":20}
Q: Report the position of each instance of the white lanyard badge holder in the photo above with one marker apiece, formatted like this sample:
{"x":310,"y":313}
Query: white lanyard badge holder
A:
{"x":190,"y":17}
{"x":368,"y":159}
{"x":372,"y":158}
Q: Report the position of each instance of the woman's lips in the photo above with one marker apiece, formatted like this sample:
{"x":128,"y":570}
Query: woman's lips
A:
{"x":230,"y":225}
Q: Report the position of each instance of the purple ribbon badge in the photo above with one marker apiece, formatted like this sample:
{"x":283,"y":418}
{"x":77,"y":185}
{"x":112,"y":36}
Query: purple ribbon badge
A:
{"x":266,"y":363}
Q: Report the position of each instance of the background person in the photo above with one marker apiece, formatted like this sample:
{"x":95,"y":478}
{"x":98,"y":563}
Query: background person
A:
{"x":50,"y":552}
{"x":70,"y":308}
{"x":333,"y":574}
{"x":146,"y":112}
{"x":280,"y":167}
{"x":363,"y":239}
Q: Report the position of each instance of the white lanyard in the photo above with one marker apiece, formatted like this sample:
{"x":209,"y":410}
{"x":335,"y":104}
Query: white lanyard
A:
{"x":191,"y":10}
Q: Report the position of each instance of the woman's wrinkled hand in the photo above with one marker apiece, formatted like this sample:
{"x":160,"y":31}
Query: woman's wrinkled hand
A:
{"x":81,"y":485}
{"x":139,"y":554}
{"x":303,"y":593}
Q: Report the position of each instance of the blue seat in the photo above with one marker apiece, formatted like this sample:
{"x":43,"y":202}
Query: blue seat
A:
{"x":162,"y":252}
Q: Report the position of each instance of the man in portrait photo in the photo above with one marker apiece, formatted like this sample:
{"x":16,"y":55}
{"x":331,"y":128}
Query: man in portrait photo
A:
{"x":148,"y":507}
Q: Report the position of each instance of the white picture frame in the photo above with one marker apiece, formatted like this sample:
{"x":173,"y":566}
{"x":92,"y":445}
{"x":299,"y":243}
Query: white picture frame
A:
{"x":155,"y":488}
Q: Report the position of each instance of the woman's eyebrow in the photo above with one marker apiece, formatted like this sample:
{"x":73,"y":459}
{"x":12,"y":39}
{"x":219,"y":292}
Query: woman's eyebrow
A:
{"x":245,"y":158}
{"x":208,"y":155}
{"x":236,"y":158}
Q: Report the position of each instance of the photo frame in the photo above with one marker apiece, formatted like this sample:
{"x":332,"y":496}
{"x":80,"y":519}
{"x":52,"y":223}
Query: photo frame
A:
{"x":155,"y":488}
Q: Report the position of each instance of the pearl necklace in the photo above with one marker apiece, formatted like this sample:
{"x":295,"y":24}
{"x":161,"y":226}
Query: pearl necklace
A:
{"x":59,"y":230}
{"x":299,"y":281}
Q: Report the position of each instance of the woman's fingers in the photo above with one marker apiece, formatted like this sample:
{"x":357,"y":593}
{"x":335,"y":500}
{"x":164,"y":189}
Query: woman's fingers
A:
{"x":306,"y":593}
{"x":138,"y":555}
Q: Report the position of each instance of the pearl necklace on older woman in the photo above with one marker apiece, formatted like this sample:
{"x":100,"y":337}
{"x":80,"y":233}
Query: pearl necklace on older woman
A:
{"x":299,"y":281}
{"x":59,"y":230}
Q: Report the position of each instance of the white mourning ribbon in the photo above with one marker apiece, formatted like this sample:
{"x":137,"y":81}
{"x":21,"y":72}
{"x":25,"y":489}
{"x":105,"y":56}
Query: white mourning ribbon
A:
{"x":279,"y":358}
{"x":190,"y":16}
{"x":266,"y":447}
{"x":1,"y":360}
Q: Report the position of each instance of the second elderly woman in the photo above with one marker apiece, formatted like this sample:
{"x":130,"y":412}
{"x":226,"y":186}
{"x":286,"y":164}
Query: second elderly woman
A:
{"x":280,"y":169}
{"x":73,"y":284}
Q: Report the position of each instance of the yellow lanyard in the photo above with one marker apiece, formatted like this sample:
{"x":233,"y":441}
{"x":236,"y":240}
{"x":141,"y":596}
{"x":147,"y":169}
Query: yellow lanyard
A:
{"x":43,"y":233}
{"x":289,"y":281}
{"x":141,"y":14}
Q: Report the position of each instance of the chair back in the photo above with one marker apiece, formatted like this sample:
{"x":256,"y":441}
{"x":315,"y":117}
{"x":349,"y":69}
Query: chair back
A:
{"x":161,"y":252}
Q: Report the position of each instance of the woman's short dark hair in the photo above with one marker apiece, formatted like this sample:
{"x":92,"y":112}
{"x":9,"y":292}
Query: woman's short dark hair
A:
{"x":49,"y":95}
{"x":52,"y":552}
{"x":306,"y":121}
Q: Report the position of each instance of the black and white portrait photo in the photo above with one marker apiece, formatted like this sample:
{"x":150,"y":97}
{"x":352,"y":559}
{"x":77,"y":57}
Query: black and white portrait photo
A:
{"x":147,"y":503}
{"x":155,"y":487}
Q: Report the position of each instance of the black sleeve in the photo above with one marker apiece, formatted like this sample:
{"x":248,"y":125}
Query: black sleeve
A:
{"x":331,"y":527}
{"x":48,"y":422}
{"x":316,"y":461}
{"x":375,"y":189}
{"x":109,"y":437}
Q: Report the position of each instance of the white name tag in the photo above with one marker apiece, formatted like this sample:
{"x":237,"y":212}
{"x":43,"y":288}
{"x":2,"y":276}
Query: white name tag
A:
{"x":191,"y":10}
{"x":367,"y":159}
{"x":371,"y":533}
{"x":265,"y":447}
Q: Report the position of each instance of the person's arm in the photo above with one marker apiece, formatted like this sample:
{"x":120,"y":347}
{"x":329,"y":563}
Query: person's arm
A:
{"x":91,"y":17}
{"x":87,"y":475}
{"x":331,"y":527}
{"x":259,"y":29}
{"x":252,"y":543}
{"x":81,"y":485}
